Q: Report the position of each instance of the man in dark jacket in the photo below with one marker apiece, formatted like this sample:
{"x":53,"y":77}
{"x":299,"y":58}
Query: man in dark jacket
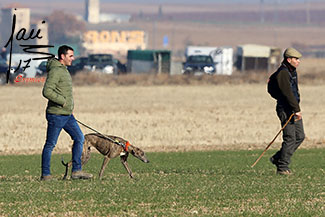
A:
{"x":287,"y":104}
{"x":58,"y":90}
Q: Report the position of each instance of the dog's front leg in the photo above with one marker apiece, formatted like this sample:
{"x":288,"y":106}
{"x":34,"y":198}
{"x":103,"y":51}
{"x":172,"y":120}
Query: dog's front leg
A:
{"x":126,"y":166}
{"x":105,"y":162}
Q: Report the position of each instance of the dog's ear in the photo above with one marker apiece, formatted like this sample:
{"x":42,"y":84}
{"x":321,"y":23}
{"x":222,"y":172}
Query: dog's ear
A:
{"x":133,"y":150}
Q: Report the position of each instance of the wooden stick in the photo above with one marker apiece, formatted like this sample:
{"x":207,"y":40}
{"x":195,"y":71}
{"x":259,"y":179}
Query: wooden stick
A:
{"x":267,"y":147}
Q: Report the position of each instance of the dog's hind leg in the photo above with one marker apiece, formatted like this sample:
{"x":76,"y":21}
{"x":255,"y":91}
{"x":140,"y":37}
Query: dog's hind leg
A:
{"x":105,"y":162}
{"x":126,"y":166}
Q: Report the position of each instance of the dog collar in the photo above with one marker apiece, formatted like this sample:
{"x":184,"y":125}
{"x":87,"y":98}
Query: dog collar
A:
{"x":127,"y":144}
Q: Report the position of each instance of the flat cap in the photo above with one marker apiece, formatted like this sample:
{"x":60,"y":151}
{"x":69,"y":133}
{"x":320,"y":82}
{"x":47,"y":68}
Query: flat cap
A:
{"x":291,"y":52}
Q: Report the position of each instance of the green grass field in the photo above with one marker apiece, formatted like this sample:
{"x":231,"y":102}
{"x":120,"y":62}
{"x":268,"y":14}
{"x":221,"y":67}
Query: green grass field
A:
{"x":215,"y":183}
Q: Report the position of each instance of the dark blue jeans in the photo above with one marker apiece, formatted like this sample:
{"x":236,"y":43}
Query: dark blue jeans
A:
{"x":55,"y":123}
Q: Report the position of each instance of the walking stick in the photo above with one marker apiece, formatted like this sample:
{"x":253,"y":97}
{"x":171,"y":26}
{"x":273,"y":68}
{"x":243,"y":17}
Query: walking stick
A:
{"x":267,"y":147}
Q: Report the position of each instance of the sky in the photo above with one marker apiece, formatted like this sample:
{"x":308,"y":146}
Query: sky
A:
{"x":175,"y":1}
{"x":209,"y":1}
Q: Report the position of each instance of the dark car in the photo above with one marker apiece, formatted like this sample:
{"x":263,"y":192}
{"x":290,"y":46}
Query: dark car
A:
{"x":14,"y":72}
{"x":41,"y":69}
{"x":199,"y":64}
{"x":78,"y":65}
{"x":101,"y":62}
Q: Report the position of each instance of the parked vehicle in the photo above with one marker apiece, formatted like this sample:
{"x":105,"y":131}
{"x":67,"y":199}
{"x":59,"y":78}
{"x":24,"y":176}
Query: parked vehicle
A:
{"x":41,"y":69}
{"x":101,"y":62}
{"x":78,"y":65}
{"x":14,"y":72}
{"x":199,"y":64}
{"x":222,"y":58}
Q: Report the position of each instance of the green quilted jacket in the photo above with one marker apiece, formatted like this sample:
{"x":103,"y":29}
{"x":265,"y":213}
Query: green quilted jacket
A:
{"x":58,"y":89}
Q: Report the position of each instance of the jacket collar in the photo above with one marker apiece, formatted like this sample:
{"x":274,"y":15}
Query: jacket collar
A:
{"x":288,"y":66}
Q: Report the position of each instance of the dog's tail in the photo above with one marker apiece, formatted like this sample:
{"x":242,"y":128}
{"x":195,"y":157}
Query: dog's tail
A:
{"x":66,"y":168}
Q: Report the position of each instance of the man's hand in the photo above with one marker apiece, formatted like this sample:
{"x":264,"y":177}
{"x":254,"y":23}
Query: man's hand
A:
{"x":298,"y":116}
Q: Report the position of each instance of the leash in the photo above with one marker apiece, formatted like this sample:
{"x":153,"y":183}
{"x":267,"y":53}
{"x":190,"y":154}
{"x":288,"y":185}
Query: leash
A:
{"x":267,"y":147}
{"x":106,"y":137}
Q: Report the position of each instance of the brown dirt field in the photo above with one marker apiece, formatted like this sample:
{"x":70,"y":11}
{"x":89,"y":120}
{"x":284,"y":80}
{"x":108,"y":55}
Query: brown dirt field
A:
{"x":161,"y":118}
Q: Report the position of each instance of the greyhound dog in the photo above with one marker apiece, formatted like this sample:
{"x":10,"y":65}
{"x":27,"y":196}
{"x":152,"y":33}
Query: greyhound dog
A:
{"x":110,"y":148}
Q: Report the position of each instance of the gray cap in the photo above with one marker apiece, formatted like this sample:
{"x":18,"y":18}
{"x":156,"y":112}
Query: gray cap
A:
{"x":291,"y":52}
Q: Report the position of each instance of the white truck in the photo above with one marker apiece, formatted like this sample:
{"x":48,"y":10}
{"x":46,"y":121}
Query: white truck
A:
{"x":222,"y":58}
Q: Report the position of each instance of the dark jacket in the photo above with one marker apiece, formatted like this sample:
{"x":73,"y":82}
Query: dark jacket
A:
{"x":288,"y":83}
{"x":58,"y":89}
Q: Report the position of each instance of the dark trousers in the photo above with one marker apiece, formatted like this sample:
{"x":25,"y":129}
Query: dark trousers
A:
{"x":293,"y":136}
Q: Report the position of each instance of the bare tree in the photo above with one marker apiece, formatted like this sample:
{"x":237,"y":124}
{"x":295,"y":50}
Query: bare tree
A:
{"x":65,"y":28}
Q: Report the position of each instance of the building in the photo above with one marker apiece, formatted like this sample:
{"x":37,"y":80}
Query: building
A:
{"x":25,"y":34}
{"x":24,"y":27}
{"x":92,"y":13}
{"x":117,"y":40}
{"x":43,"y":27}
{"x":22,"y":21}
{"x":115,"y":18}
{"x":149,"y":61}
{"x":252,"y":57}
{"x":104,"y":33}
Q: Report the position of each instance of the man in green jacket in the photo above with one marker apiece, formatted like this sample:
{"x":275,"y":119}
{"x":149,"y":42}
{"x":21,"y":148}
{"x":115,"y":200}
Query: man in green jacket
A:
{"x":287,"y":104}
{"x":58,"y":90}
